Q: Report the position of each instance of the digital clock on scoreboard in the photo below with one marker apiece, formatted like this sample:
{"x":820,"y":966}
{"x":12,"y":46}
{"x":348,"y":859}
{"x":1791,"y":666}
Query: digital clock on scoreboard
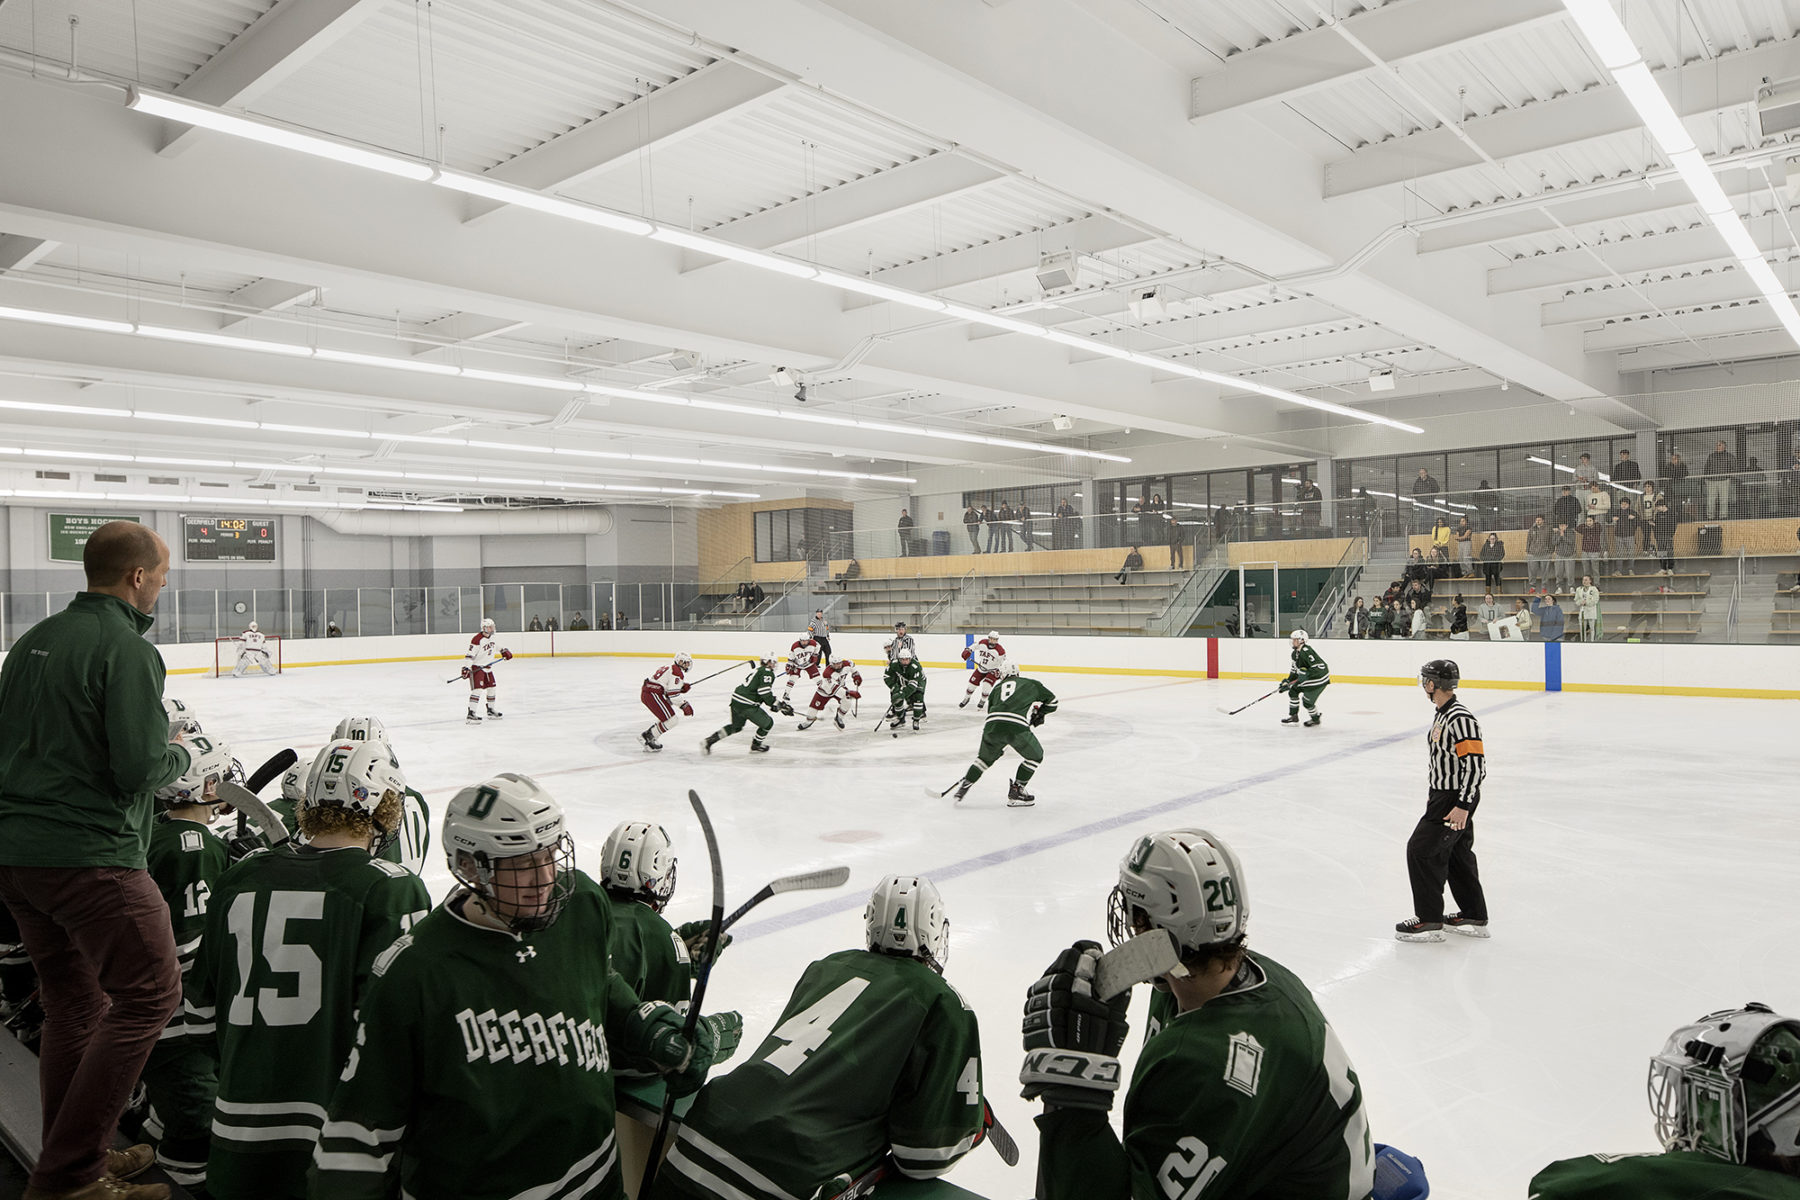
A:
{"x":230,"y":539}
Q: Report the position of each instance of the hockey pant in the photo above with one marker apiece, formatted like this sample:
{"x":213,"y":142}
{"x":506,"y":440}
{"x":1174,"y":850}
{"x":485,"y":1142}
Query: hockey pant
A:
{"x":793,"y":677}
{"x":1308,"y":693}
{"x":253,"y":658}
{"x":748,"y":714}
{"x":181,"y":1079}
{"x":821,"y":699}
{"x":661,"y":706}
{"x":985,"y":680}
{"x":902,"y":699}
{"x":996,"y":736}
{"x":480,"y":680}
{"x":1435,"y":854}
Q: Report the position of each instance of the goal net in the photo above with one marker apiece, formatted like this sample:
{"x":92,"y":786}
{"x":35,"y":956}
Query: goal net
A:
{"x":228,"y":651}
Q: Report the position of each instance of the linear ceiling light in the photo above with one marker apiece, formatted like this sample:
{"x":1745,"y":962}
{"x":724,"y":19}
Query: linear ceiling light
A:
{"x":1619,"y":54}
{"x":64,"y":319}
{"x":506,"y":193}
{"x":156,"y":104}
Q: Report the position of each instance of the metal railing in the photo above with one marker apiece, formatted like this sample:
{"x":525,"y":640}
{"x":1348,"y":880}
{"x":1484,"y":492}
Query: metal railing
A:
{"x":1177,"y":616}
{"x":929,"y":621}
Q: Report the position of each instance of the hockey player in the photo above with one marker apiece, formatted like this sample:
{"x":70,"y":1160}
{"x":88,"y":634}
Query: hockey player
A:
{"x":660,"y":694}
{"x":875,"y":1056}
{"x":253,"y":653}
{"x":1245,"y":1092}
{"x":901,"y":639}
{"x":411,"y":843}
{"x":1019,"y":706}
{"x":987,"y":663}
{"x":1307,"y":677}
{"x":186,"y":859}
{"x":638,"y":876}
{"x":1726,"y":1095}
{"x":485,"y":1053}
{"x":841,"y":682}
{"x":291,"y":937}
{"x":905,"y":680}
{"x":803,"y":656}
{"x":748,"y":700}
{"x":478,"y":663}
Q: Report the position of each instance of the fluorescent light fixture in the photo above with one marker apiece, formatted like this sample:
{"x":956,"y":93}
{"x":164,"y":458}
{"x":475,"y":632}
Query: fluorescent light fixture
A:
{"x":199,"y":338}
{"x":420,"y":438}
{"x":1740,"y":243}
{"x":588,"y":453}
{"x":980,"y":316}
{"x":65,"y":319}
{"x":607,"y":389}
{"x":506,"y":193}
{"x":184,"y":419}
{"x":156,"y":104}
{"x":548,"y":382}
{"x":1605,"y":32}
{"x":1700,"y":180}
{"x":311,"y":430}
{"x":1653,"y":107}
{"x":82,"y":409}
{"x":387,"y":361}
{"x":744,"y":254}
{"x":510,"y":446}
{"x":881,"y":291}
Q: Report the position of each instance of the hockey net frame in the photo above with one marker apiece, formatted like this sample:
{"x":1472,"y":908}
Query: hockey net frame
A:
{"x":225,"y":654}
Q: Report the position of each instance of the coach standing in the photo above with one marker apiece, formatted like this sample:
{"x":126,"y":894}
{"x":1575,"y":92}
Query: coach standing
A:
{"x":83,"y":746}
{"x":1442,"y":846}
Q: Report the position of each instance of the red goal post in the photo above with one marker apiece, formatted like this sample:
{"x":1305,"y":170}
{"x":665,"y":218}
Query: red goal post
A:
{"x":225,"y":654}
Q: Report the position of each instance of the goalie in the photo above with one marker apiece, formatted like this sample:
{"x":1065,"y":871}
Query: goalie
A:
{"x":253,"y":652}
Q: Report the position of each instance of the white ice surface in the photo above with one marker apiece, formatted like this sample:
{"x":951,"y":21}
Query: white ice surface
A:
{"x":1639,"y":855}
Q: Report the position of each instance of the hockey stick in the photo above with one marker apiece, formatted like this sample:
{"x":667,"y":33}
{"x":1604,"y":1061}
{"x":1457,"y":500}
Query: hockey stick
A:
{"x":825,"y":877}
{"x":653,"y":1163}
{"x":261,"y":815}
{"x":862,"y":1185}
{"x":721,"y":671}
{"x":280,"y":761}
{"x":1232,"y":712}
{"x":1004,"y":1146}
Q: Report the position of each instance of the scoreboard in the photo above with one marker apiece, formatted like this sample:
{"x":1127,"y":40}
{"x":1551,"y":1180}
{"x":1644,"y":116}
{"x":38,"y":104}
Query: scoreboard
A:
{"x":230,"y":539}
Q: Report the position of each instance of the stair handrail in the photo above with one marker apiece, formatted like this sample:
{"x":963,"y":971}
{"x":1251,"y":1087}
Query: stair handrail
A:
{"x":945,"y":601}
{"x":1201,"y":579}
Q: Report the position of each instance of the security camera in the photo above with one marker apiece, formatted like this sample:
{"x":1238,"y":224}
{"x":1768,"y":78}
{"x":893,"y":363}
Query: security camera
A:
{"x":800,"y":393}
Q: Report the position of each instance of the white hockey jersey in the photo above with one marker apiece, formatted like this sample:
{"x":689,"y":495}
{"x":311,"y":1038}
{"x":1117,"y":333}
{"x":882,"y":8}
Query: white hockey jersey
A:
{"x":840,"y":680}
{"x":667,"y":680}
{"x":987,"y":656}
{"x":803,"y":655}
{"x":254,"y":640}
{"x":484,"y":651}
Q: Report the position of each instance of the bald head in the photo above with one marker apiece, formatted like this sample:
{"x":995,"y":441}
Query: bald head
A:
{"x":127,"y":560}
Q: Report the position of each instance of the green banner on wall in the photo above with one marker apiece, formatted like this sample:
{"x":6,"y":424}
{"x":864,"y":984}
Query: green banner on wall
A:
{"x":69,"y":532}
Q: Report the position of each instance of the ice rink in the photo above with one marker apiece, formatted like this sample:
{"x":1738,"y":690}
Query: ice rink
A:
{"x":1639,"y":855}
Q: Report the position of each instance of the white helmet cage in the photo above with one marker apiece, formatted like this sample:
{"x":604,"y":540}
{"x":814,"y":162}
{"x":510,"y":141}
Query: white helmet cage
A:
{"x":1729,"y":1084}
{"x":358,"y":777}
{"x":250,"y":628}
{"x":490,"y":828}
{"x":213,"y":765}
{"x":1186,"y":881}
{"x":639,"y":860}
{"x":905,"y":917}
{"x":684,"y":660}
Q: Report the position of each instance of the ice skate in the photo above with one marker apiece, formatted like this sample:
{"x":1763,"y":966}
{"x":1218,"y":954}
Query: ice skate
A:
{"x":494,"y":714}
{"x":1314,"y":719}
{"x":759,"y":747}
{"x":967,"y":696}
{"x":962,"y":789}
{"x":838,"y":721}
{"x":915,"y":724}
{"x":898,"y":721}
{"x":1414,"y":930}
{"x":1475,"y":927}
{"x":474,"y":718}
{"x":808,"y":723}
{"x":1291,"y":719}
{"x":650,"y":742}
{"x":1018,"y":797}
{"x":712,"y":740}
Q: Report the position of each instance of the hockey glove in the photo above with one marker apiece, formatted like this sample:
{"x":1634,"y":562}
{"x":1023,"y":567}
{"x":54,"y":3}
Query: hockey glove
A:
{"x":853,"y":695}
{"x":465,"y":672}
{"x":785,"y":709}
{"x":506,"y":654}
{"x":1037,"y":718}
{"x":693,"y":936}
{"x":687,"y":710}
{"x":716,"y":1039}
{"x":1072,"y":1038}
{"x":967,"y":654}
{"x":1284,"y":685}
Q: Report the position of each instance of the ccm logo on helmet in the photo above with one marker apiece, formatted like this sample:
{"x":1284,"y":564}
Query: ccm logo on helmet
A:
{"x":546,"y":827}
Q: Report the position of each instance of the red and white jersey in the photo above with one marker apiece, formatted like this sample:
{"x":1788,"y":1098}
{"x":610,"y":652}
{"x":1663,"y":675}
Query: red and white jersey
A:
{"x":667,"y":680}
{"x":987,"y":656}
{"x":840,"y":678}
{"x":803,"y":655}
{"x":254,"y":640}
{"x":483,"y":651}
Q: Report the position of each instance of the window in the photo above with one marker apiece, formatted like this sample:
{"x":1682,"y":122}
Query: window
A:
{"x":791,"y":534}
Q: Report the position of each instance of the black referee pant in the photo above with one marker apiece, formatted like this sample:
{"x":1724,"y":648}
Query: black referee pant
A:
{"x":824,"y":648}
{"x":1435,"y":854}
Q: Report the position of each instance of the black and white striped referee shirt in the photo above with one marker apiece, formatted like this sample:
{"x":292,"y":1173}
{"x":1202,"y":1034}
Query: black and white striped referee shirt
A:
{"x":1458,"y":763}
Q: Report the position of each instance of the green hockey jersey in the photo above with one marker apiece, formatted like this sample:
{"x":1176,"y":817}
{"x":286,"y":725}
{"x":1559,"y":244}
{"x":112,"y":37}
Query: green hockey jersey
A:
{"x":1679,"y":1175}
{"x":186,"y":860}
{"x":1307,"y":669}
{"x":407,"y":848}
{"x":1250,"y":1096}
{"x":1016,"y":700}
{"x":291,"y":936}
{"x":906,"y":681}
{"x":484,"y":1064}
{"x":653,"y":960}
{"x":873,"y":1055}
{"x":758,"y":689}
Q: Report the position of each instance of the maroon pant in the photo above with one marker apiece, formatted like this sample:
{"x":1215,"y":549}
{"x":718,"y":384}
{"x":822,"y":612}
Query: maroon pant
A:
{"x":109,"y":982}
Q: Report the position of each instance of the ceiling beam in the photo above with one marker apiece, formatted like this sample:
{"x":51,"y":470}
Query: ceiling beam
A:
{"x":1397,"y":32}
{"x":1008,"y":256}
{"x":22,"y":253}
{"x":1701,"y":88}
{"x":1630,"y":257}
{"x":264,"y":296}
{"x":1687,"y":290}
{"x":653,"y":122}
{"x":1731,"y":348}
{"x":1706,"y":323}
{"x":461,"y":329}
{"x":279,"y":43}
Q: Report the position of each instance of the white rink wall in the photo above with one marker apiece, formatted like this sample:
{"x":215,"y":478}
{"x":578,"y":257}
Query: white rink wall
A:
{"x":1762,"y":672}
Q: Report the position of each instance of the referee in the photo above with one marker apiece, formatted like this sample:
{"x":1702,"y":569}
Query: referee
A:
{"x":820,"y":631}
{"x":1442,"y":845}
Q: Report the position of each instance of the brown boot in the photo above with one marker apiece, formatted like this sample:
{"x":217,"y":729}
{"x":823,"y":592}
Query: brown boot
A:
{"x":129,"y":1162}
{"x":105,"y":1188}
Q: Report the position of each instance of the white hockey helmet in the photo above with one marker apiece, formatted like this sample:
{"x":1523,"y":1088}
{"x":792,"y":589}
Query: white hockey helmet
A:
{"x":182,"y":719}
{"x":211,"y":766}
{"x":1299,"y":635}
{"x":487,"y":624}
{"x":1728,"y":1085}
{"x":360,"y":729}
{"x":684,"y":660}
{"x":842,"y":661}
{"x":905,"y":917}
{"x":506,"y":842}
{"x":1009,"y":670}
{"x":357,"y":777}
{"x":295,"y":779}
{"x":993,"y":635}
{"x":1186,"y":881}
{"x":904,"y":654}
{"x":638,"y":859}
{"x":250,"y":628}
{"x":768,"y":658}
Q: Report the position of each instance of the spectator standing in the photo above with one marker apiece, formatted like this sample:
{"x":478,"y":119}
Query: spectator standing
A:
{"x":1493,"y":556}
{"x":1441,"y":537}
{"x":1487,"y":613}
{"x":1627,"y":528}
{"x":1023,"y":514}
{"x":1442,"y":846}
{"x":621,"y":621}
{"x":972,"y":523}
{"x":1140,"y":520}
{"x":1356,"y":621}
{"x":1664,"y":519}
{"x":1062,"y":535}
{"x":1459,"y":621}
{"x":84,"y":746}
{"x":1416,"y":623}
{"x":1593,"y":546}
{"x":1585,"y":474}
{"x":1133,"y":562}
{"x":1551,"y":619}
{"x":1566,"y":547}
{"x":1538,"y":553}
{"x":550,"y":623}
{"x":1312,"y":504}
{"x":1157,"y":509}
{"x":537,"y":624}
{"x":1626,"y":469}
{"x":1177,"y":543}
{"x":1486,"y":502}
{"x":1567,"y":508}
{"x":1587,"y":609}
{"x":1522,"y":614}
{"x":1790,"y":486}
{"x":1753,"y":485}
{"x":1597,"y":504}
{"x":1006,"y":525}
{"x":1675,"y":474}
{"x":990,"y":516}
{"x":1464,"y":536}
{"x":1423,"y":489}
{"x":1719,"y":467}
{"x":904,"y":527}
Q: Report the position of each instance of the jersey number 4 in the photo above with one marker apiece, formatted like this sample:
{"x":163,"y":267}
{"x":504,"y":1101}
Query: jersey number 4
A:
{"x":278,"y":957}
{"x":807,"y":1029}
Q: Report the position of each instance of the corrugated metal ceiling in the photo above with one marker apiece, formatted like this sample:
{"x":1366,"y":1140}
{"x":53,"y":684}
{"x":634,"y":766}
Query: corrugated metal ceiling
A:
{"x":155,"y":42}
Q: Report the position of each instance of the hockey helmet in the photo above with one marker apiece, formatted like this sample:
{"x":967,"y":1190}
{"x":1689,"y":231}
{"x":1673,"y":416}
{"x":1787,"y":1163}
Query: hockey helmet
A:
{"x":182,"y":719}
{"x":1442,"y":672}
{"x":360,"y":729}
{"x":211,"y":765}
{"x":684,"y":660}
{"x":638,"y":859}
{"x":487,"y":625}
{"x":768,"y":658}
{"x":841,"y":662}
{"x":1009,"y":671}
{"x":1728,"y":1085}
{"x":362,"y":778}
{"x":505,"y":841}
{"x":250,"y":628}
{"x":993,"y":635}
{"x":905,"y":917}
{"x":1186,"y":881}
{"x":1299,"y":635}
{"x":904,"y":654}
